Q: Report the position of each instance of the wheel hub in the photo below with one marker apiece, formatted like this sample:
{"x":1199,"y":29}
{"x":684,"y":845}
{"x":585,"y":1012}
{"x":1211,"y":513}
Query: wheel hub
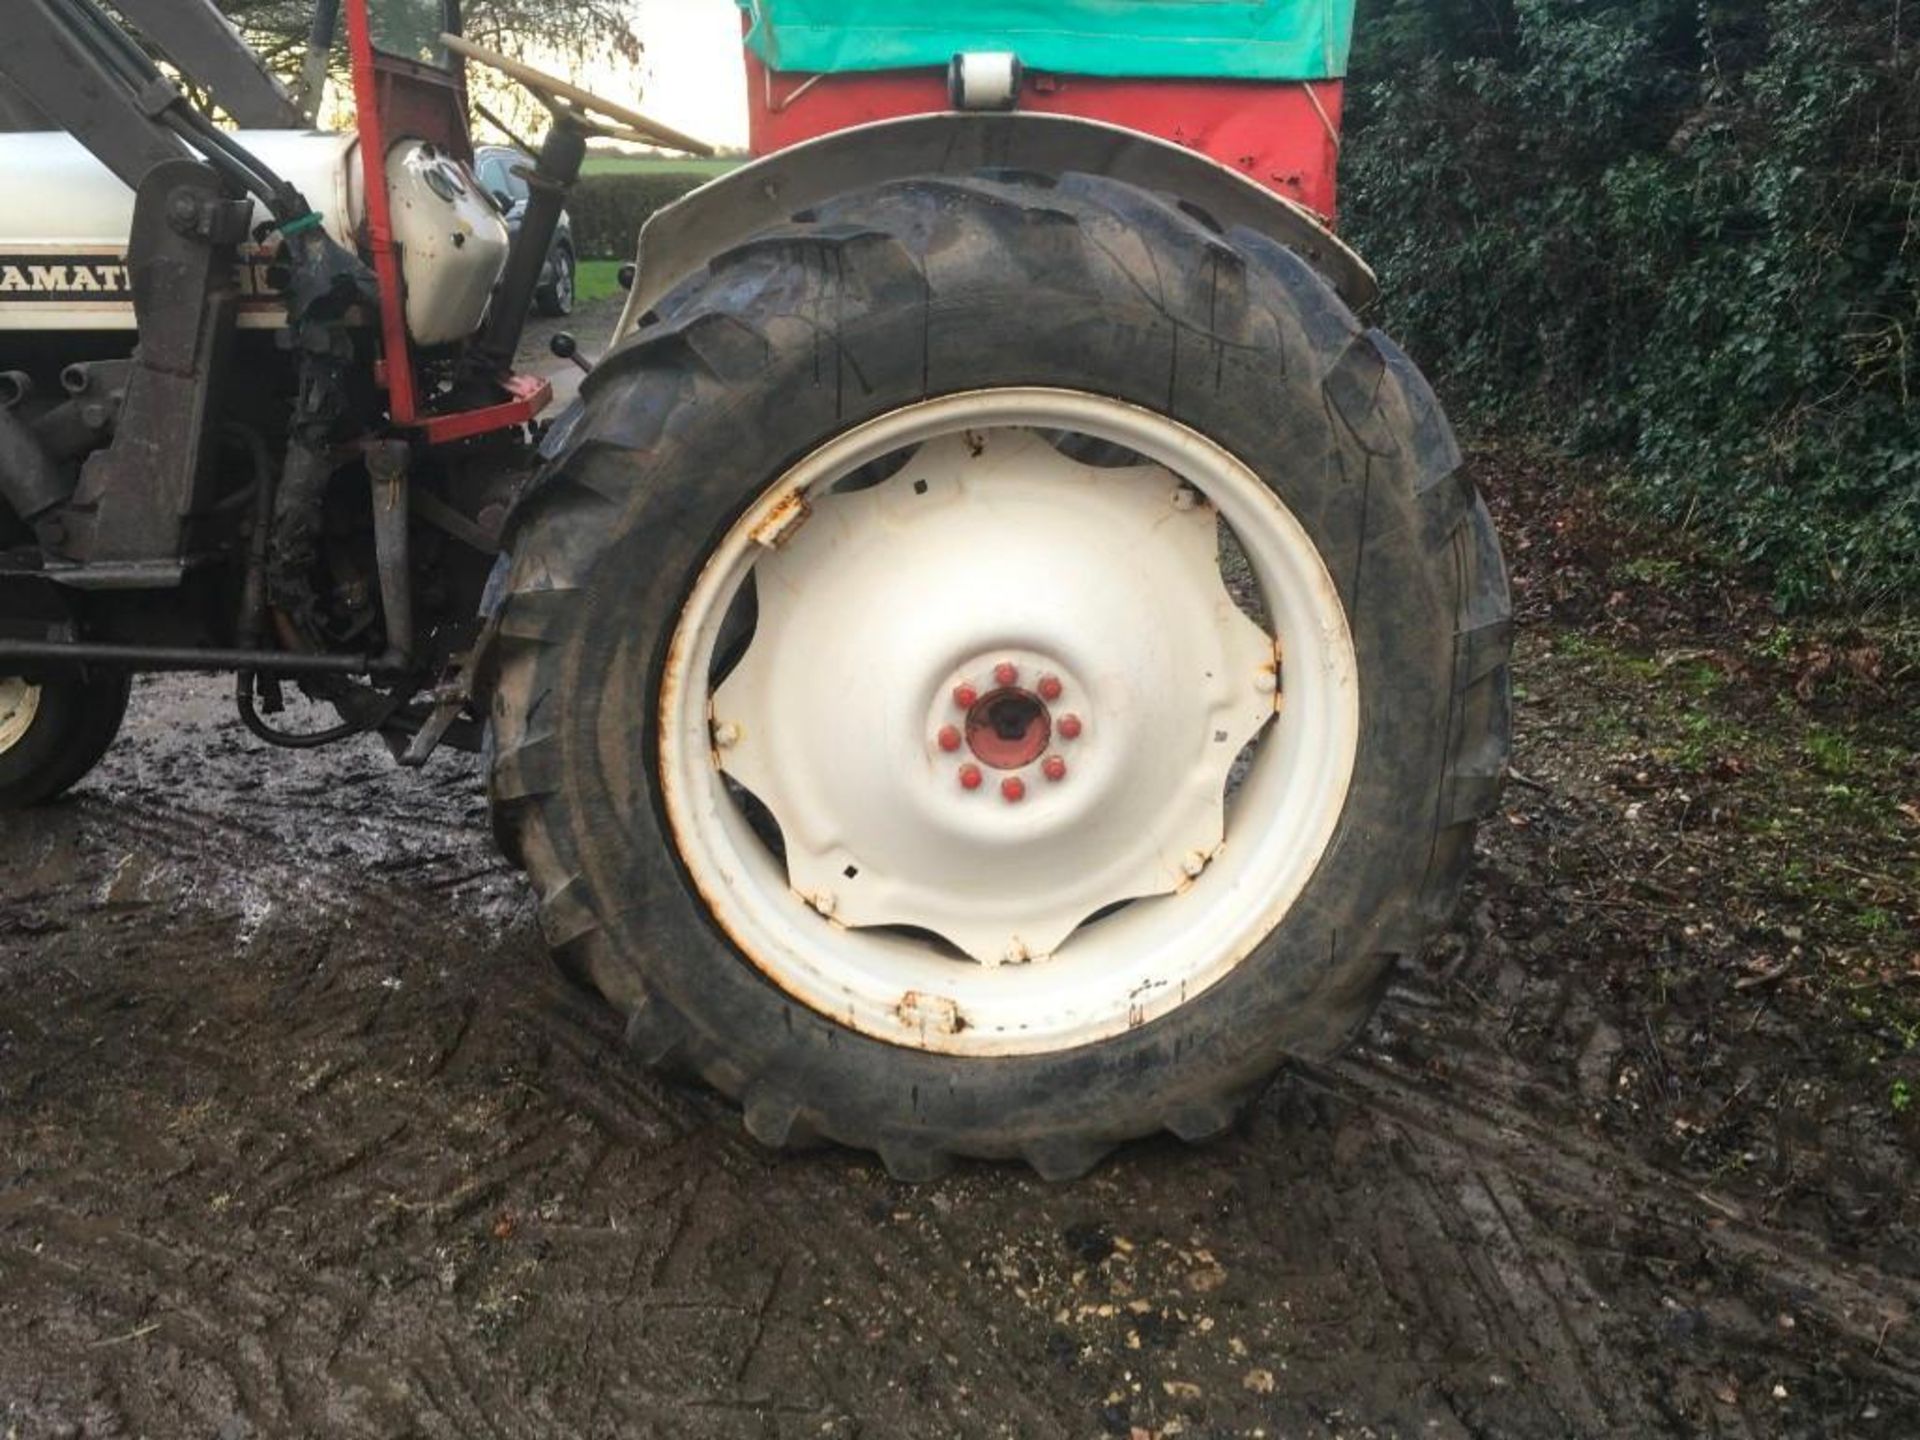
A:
{"x":1050,"y":684}
{"x":1009,"y":729}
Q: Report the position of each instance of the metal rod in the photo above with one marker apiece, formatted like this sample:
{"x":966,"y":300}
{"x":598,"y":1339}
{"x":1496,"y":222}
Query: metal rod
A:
{"x":387,"y":473}
{"x":313,"y":68}
{"x":253,"y":592}
{"x":159,"y":657}
{"x":494,"y":120}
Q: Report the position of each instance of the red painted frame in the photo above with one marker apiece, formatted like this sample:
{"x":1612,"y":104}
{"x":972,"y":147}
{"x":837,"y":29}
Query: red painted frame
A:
{"x":527,"y":395}
{"x":1283,"y":134}
{"x":392,"y":95}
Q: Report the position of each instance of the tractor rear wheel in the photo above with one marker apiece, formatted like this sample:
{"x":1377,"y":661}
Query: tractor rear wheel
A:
{"x":995,"y":666}
{"x":52,"y":732}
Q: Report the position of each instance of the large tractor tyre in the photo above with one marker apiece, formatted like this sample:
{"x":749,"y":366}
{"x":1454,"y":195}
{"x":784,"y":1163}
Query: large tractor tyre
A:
{"x":53,"y":732}
{"x":994,"y":667}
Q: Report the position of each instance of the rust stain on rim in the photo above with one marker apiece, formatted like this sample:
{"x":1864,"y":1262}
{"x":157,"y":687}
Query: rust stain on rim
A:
{"x":920,"y":1011}
{"x":782,"y":520}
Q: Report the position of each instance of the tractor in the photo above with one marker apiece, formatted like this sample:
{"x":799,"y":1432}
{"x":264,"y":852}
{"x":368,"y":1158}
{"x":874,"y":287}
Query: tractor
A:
{"x":996,"y":661}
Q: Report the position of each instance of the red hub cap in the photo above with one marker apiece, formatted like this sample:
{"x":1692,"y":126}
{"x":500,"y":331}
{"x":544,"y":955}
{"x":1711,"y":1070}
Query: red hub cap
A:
{"x":1009,"y":728}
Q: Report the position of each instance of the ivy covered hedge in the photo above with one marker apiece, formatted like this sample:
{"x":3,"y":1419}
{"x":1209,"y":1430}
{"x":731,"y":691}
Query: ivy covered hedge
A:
{"x":1679,"y":231}
{"x":607,"y":210}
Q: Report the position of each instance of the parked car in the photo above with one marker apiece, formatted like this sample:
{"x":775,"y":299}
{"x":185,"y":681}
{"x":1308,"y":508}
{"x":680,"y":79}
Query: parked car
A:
{"x":495,"y":166}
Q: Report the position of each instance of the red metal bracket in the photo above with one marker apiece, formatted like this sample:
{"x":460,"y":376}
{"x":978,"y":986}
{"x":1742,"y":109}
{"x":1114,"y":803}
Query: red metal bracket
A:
{"x":530,"y":395}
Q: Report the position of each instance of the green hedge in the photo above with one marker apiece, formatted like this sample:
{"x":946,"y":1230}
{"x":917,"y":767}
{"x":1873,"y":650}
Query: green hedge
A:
{"x":1677,"y":231}
{"x":608,"y":210}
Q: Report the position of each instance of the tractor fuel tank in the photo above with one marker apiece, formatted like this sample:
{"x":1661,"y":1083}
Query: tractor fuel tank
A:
{"x":453,"y":243}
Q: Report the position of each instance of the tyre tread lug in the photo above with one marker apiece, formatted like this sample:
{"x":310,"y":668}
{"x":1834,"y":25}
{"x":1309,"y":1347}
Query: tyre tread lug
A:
{"x":529,"y":770}
{"x":773,"y":1117}
{"x":1197,"y":1122}
{"x":654,"y":1033}
{"x":567,"y":914}
{"x":913,"y":1162}
{"x":1061,"y":1158}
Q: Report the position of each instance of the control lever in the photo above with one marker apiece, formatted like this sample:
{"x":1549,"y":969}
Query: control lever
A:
{"x":565,"y":347}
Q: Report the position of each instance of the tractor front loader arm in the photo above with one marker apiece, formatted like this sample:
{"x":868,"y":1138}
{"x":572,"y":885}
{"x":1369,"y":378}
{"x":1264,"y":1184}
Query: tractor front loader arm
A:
{"x":60,"y":58}
{"x":203,"y":43}
{"x":83,"y":73}
{"x":133,"y":506}
{"x":129,"y":520}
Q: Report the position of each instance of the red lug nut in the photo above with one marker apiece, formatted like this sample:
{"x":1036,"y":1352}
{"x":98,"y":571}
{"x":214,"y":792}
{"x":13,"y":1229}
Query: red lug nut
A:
{"x":965,"y":696}
{"x":1050,"y":687}
{"x":949,"y":738}
{"x":1054,"y":768}
{"x":1013,"y":789}
{"x":1069,"y":726}
{"x":1006,"y":673}
{"x":970,"y":777}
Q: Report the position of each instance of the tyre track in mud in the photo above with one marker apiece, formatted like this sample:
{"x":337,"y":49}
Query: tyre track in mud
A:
{"x":305,"y":1137}
{"x":1556,"y":1163}
{"x":1476,"y":1127}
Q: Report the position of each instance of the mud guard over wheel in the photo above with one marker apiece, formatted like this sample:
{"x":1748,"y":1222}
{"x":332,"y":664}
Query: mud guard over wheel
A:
{"x":995,"y":666}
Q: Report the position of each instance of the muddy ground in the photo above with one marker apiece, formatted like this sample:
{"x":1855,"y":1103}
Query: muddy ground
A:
{"x":302,"y":1136}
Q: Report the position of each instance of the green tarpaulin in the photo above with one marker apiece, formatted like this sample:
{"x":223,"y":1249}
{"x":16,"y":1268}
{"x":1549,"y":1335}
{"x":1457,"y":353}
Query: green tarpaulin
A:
{"x":1238,"y":39}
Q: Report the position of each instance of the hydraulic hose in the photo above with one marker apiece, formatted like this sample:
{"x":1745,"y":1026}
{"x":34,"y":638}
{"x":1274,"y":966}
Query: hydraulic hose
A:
{"x":114,"y":49}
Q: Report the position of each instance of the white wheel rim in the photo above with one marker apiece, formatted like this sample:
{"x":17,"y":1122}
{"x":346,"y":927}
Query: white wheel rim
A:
{"x":19,"y":703}
{"x":990,"y":547}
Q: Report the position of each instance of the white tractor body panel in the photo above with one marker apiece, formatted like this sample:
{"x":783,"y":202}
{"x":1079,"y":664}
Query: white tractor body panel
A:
{"x":66,"y":219}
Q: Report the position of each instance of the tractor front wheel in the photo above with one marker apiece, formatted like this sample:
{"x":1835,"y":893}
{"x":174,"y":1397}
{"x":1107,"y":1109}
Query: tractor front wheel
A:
{"x":996,"y":666}
{"x":53,"y":731}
